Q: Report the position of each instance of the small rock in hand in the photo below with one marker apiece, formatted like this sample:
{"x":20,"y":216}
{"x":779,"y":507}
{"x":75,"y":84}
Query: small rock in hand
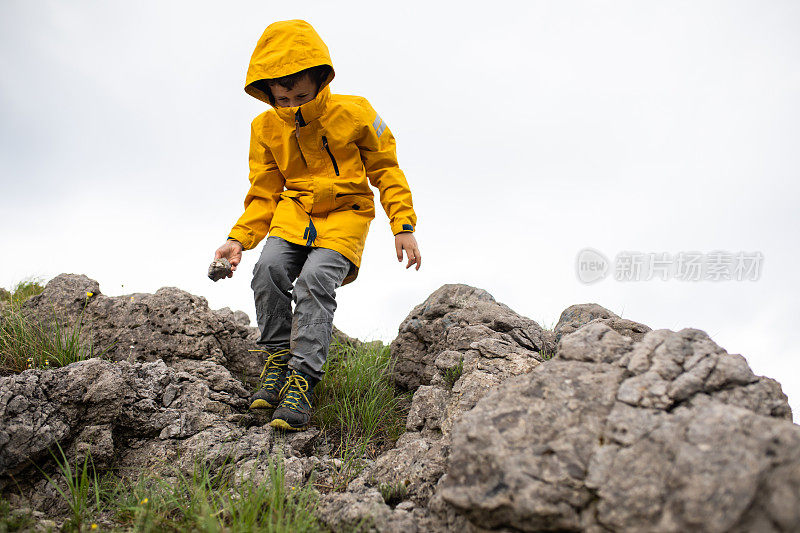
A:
{"x":220,"y":268}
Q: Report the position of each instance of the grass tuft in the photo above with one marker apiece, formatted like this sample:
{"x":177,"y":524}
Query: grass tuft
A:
{"x":208,"y":498}
{"x":14,"y":520}
{"x":27,"y":342}
{"x":211,"y":500}
{"x":452,"y":374}
{"x":21,"y":292}
{"x":81,"y":484}
{"x":357,"y":401}
{"x":547,"y":354}
{"x":394,"y":493}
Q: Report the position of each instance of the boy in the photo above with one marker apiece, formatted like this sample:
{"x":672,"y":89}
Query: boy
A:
{"x":313,"y":156}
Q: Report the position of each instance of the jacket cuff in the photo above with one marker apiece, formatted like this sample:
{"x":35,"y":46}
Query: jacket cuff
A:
{"x":402,"y":227}
{"x":245,"y":238}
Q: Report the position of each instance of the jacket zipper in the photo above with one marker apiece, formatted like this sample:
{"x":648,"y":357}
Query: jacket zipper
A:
{"x":333,"y":160}
{"x":355,"y":205}
{"x":299,"y":122}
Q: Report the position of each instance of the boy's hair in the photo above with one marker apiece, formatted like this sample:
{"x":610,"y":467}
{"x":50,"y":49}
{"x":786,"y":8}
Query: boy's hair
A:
{"x":318,"y":74}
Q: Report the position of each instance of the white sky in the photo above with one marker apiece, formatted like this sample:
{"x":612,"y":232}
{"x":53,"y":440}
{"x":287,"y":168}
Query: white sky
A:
{"x":527,"y":131}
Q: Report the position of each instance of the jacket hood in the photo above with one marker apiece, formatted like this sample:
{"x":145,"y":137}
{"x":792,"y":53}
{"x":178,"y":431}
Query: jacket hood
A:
{"x":284,"y":48}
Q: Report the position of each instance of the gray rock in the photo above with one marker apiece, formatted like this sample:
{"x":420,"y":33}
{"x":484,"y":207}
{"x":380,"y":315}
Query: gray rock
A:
{"x":219,"y":268}
{"x":457,"y":323}
{"x":94,"y":443}
{"x":428,"y":408}
{"x":170,"y":325}
{"x":418,"y":460}
{"x":706,"y":466}
{"x":367,"y":512}
{"x":88,"y":401}
{"x":667,"y":434}
{"x":451,"y":319}
{"x":576,"y":316}
{"x":520,"y":457}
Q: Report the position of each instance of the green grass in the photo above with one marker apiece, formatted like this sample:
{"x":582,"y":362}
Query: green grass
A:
{"x":547,"y":354}
{"x":13,"y":521}
{"x":82,"y":490}
{"x":452,"y":374}
{"x":21,"y":291}
{"x":394,"y":493}
{"x":358,"y":405}
{"x":27,"y":342}
{"x":209,"y":499}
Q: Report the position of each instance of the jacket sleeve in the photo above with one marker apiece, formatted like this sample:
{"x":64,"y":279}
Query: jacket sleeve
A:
{"x":377,"y":146}
{"x":266,"y":184}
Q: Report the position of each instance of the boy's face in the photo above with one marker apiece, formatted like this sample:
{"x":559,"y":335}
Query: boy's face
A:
{"x":303,"y":91}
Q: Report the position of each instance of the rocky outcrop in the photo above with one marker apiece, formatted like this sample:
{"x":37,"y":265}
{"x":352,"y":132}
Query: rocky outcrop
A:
{"x":600,"y":425}
{"x":667,"y":434}
{"x":171,"y":325}
{"x":167,"y":395}
{"x":617,"y":432}
{"x":453,"y":349}
{"x":461,"y":321}
{"x":576,"y":316}
{"x":134,"y":417}
{"x":95,"y":401}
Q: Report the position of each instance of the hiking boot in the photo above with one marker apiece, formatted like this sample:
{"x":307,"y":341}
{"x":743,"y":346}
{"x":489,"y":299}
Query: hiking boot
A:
{"x":274,"y":377}
{"x":294,"y":411}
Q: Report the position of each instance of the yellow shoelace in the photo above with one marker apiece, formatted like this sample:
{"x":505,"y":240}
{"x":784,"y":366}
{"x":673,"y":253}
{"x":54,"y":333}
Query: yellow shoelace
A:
{"x":272,"y":357}
{"x":293,"y":394}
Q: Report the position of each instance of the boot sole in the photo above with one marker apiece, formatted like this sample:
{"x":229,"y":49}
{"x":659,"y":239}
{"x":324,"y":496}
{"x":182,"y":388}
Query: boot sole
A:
{"x":261,"y":404}
{"x":283,"y":424}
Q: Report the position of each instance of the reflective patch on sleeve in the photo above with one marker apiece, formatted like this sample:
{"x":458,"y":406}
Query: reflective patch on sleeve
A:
{"x":378,"y":125}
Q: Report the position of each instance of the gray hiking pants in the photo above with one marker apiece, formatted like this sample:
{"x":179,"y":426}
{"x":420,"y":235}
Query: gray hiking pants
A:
{"x":307,"y":331}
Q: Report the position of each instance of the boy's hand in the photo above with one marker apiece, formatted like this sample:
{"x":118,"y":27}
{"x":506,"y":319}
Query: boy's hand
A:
{"x":406,"y":241}
{"x":232,"y":251}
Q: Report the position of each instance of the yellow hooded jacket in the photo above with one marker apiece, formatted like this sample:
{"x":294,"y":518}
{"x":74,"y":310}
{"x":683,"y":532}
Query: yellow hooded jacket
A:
{"x":311,"y":165}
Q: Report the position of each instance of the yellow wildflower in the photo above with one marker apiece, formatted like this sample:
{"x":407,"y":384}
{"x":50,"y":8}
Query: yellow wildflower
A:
{"x":89,"y":295}
{"x":145,"y":501}
{"x":94,"y":526}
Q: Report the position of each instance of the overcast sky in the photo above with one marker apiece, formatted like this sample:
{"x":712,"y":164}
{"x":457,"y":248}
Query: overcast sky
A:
{"x":528,"y":131}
